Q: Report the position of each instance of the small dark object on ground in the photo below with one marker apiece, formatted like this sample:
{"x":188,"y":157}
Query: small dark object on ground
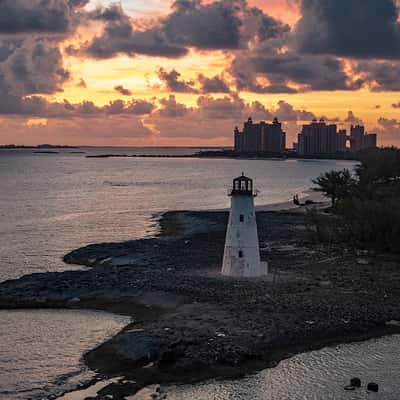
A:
{"x":356,"y":382}
{"x":373,"y":387}
{"x":349,"y":387}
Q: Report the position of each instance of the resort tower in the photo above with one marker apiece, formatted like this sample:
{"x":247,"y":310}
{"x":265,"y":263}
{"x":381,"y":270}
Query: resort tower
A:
{"x":242,"y":253}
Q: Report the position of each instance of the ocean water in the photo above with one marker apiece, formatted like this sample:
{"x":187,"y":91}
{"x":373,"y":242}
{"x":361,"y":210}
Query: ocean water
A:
{"x":40,"y":350}
{"x":317,"y":375}
{"x":53,"y":203}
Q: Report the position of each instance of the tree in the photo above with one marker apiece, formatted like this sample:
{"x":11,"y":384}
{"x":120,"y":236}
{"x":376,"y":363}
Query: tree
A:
{"x":336,"y":185}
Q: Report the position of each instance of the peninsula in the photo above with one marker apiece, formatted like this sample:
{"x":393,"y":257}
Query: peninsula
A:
{"x":191,"y":323}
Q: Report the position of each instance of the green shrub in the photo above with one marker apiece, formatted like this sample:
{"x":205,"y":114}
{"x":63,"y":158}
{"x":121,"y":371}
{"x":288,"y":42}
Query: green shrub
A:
{"x":367,"y":208}
{"x":371,"y":223}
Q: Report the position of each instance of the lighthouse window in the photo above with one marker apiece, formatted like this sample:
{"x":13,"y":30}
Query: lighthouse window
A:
{"x":240,"y":254}
{"x":241,"y":217}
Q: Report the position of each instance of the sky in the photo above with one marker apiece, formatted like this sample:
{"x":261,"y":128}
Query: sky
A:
{"x":186,"y":72}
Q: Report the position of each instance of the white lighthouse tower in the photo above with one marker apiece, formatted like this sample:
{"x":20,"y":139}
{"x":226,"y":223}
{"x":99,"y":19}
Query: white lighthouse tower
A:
{"x":242,"y":253}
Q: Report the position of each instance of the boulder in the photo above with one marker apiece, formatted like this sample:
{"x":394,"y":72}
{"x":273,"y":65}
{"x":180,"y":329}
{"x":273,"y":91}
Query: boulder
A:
{"x":372,"y":387}
{"x":356,"y":382}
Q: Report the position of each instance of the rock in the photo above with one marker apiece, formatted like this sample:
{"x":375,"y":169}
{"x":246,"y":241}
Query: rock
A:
{"x":372,"y":387}
{"x":74,"y":300}
{"x":356,"y":382}
{"x":393,"y":322}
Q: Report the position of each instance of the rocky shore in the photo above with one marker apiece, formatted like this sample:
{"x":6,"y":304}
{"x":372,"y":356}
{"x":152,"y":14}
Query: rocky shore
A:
{"x":191,"y":324}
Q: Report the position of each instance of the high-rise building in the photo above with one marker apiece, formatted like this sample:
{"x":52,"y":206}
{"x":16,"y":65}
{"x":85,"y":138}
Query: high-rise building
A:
{"x":260,"y":138}
{"x":238,"y":140}
{"x":320,"y":138}
{"x":360,"y":140}
{"x":342,"y":140}
{"x":356,"y":138}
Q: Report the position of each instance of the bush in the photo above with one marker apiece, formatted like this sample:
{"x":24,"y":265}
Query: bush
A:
{"x":367,"y":208}
{"x":337,"y":185}
{"x":371,"y":223}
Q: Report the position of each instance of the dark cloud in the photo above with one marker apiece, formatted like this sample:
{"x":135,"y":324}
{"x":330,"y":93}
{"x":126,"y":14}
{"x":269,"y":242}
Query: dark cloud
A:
{"x":287,"y":113}
{"x":222,"y":108}
{"x":37,"y":106}
{"x":220,"y":25}
{"x":380,"y":75}
{"x":173,"y":82}
{"x":38,"y":16}
{"x":33,"y":66}
{"x":215,"y":84}
{"x":211,"y":26}
{"x":350,"y":28}
{"x":396,"y":105}
{"x":119,"y":37}
{"x":120,"y":89}
{"x":113,"y":12}
{"x":170,"y":108}
{"x":289,"y":72}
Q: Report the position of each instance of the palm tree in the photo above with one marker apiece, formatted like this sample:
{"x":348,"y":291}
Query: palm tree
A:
{"x":336,"y":185}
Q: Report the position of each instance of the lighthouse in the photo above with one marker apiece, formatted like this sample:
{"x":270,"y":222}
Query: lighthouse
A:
{"x":242,"y":253}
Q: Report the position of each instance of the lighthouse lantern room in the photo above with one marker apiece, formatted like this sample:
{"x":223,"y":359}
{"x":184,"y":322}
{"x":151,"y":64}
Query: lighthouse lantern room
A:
{"x":242,"y":254}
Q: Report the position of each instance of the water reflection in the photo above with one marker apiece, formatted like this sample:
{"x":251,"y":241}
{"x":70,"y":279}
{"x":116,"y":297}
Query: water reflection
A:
{"x":318,"y":375}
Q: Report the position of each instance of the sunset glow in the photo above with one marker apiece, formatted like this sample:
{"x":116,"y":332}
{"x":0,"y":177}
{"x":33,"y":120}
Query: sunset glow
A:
{"x":197,"y":69}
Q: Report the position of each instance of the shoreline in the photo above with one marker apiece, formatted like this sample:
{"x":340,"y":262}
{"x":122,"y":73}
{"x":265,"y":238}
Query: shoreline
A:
{"x":192,"y":323}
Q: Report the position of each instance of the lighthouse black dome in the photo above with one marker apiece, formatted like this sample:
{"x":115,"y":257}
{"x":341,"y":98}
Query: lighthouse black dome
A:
{"x":242,"y":185}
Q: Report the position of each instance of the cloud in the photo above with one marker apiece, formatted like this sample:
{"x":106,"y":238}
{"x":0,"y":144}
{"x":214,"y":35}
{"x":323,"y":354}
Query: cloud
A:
{"x":349,"y":28}
{"x":289,"y":72}
{"x":37,"y":106}
{"x":103,"y":131}
{"x":220,"y":25}
{"x":38,"y":16}
{"x":170,"y":108}
{"x":396,"y":105}
{"x":214,"y":118}
{"x":380,"y":75}
{"x":216,"y":84}
{"x":287,"y":113}
{"x":32,"y":66}
{"x":120,"y":89}
{"x":352,"y":119}
{"x":388,"y":130}
{"x":173,"y":83}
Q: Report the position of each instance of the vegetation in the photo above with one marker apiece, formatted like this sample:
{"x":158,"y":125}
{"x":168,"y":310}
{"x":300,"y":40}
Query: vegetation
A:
{"x":366,"y":207}
{"x":336,"y":185}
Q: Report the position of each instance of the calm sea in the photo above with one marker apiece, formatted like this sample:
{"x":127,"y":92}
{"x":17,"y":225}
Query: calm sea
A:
{"x":53,"y":203}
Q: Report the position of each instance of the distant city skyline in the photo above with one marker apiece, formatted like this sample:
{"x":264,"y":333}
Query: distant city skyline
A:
{"x":315,"y":138}
{"x":184,"y":72}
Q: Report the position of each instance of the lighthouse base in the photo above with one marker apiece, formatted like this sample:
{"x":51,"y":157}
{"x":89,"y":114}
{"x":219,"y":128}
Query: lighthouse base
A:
{"x":238,"y":269}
